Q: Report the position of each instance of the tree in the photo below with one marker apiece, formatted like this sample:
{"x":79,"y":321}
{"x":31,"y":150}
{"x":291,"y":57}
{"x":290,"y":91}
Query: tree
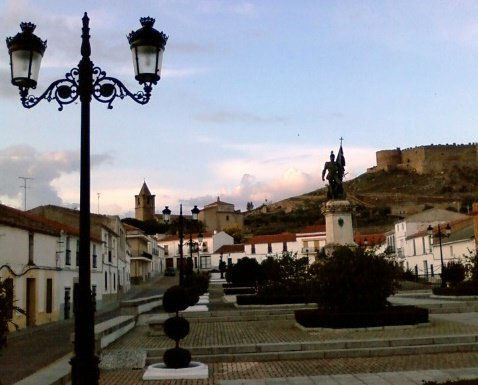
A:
{"x":236,"y":232}
{"x":249,"y":206}
{"x":354,"y":280}
{"x":7,"y":308}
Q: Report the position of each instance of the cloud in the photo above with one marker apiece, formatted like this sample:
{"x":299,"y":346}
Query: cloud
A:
{"x":43,"y":168}
{"x":221,"y":117}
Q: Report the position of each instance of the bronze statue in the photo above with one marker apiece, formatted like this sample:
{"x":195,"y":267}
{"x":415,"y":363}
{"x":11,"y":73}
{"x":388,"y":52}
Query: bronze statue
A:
{"x":335,"y":172}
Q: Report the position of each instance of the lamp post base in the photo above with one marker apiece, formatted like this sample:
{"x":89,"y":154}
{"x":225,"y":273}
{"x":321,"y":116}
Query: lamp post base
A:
{"x":85,"y":371}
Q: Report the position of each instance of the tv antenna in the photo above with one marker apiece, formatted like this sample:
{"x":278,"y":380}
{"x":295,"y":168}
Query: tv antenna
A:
{"x":25,"y":179}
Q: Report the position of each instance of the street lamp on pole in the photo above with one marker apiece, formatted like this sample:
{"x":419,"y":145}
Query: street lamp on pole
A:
{"x":195,"y":215}
{"x":200,"y":239}
{"x":440,"y":236}
{"x":85,"y":82}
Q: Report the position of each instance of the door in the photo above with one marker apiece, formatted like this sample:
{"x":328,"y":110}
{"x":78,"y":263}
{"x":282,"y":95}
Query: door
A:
{"x":31,"y":301}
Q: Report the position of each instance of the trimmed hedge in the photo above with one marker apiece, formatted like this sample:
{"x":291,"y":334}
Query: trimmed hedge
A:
{"x":393,"y":315}
{"x":240,"y":290}
{"x":463,"y":288}
{"x":271,"y":300}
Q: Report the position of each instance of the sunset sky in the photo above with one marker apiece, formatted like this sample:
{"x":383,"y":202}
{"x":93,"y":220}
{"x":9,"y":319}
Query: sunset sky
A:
{"x":253,"y":97}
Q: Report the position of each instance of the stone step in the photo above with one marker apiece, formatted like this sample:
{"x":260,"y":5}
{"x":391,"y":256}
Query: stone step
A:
{"x":330,"y":353}
{"x":326,"y":345}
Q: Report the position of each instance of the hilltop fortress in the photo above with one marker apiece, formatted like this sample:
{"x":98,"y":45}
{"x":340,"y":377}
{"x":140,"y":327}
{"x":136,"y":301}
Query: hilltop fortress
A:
{"x":427,"y":159}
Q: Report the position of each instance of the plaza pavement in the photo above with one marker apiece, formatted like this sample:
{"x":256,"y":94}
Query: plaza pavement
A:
{"x":380,"y":370}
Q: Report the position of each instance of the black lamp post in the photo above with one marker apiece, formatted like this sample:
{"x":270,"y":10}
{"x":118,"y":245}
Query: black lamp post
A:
{"x":440,"y":236}
{"x":194,"y":214}
{"x":85,"y":82}
{"x":200,"y":239}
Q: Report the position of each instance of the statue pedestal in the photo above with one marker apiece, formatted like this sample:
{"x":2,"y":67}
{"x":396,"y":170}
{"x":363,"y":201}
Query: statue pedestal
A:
{"x":338,"y":225}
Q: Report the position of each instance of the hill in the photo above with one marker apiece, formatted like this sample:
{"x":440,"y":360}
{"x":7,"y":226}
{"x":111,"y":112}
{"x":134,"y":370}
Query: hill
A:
{"x":378,"y":200}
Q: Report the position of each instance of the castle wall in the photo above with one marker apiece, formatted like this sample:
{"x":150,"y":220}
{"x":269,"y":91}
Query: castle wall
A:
{"x":413,"y":159}
{"x":428,"y":159}
{"x":388,"y":159}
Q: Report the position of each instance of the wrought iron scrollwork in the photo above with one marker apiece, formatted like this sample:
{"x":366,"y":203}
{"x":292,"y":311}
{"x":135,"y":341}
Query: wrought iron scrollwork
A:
{"x":106,"y":89}
{"x":63,"y":91}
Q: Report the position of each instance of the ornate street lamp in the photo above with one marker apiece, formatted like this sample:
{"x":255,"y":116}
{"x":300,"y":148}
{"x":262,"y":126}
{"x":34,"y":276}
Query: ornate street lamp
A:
{"x":85,"y":82}
{"x":440,"y":236}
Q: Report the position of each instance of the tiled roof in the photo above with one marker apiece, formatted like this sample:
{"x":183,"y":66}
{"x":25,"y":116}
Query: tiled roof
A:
{"x":36,"y":223}
{"x":455,"y":225}
{"x":274,"y":238}
{"x":145,"y":190}
{"x":218,"y":202}
{"x":129,"y":227}
{"x":372,"y":239}
{"x":225,"y":249}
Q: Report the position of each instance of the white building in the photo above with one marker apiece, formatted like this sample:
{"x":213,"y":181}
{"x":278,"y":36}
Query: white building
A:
{"x":113,"y":250}
{"x":147,"y":257}
{"x":39,"y":258}
{"x":423,"y":254}
{"x":203,"y":249}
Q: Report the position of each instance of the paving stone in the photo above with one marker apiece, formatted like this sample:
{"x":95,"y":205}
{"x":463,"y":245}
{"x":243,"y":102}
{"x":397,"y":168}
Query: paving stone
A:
{"x":347,"y":379}
{"x":397,"y":378}
{"x":324,"y":380}
{"x":372,"y":379}
{"x":299,"y":381}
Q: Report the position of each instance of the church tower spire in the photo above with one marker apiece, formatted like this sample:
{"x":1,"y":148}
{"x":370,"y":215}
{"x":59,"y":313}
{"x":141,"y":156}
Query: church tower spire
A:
{"x":144,"y":204}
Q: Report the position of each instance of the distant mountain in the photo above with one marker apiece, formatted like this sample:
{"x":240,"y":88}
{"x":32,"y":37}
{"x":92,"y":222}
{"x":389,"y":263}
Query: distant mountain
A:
{"x":378,"y":198}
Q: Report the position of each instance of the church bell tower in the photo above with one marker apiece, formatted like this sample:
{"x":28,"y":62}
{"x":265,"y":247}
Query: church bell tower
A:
{"x":144,"y":204}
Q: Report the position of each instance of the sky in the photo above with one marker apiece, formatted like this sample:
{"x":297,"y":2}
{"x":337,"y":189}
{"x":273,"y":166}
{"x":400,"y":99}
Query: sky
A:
{"x":253,"y":96}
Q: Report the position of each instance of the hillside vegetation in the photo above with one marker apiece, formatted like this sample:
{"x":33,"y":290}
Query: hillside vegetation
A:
{"x":375,"y":197}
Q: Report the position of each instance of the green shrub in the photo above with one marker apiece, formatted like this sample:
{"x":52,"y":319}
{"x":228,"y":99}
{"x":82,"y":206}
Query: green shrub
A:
{"x":453,"y":273}
{"x":462,"y":288}
{"x":176,"y":328}
{"x":354,"y":280}
{"x":245,"y":272}
{"x":175,"y":299}
{"x":177,"y":358}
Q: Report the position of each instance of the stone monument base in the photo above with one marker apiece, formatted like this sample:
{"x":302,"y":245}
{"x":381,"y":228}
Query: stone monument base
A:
{"x":338,"y":224}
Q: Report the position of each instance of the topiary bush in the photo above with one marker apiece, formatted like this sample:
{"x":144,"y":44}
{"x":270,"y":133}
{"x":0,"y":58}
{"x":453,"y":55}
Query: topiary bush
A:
{"x":354,"y":280}
{"x":176,"y":299}
{"x":177,"y":358}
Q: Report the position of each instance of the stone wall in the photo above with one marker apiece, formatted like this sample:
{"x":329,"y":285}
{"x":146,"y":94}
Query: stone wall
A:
{"x":428,"y":159}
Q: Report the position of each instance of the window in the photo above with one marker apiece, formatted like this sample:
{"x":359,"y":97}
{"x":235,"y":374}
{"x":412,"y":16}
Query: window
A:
{"x":284,"y":246}
{"x":451,"y":252}
{"x":431,"y":271}
{"x":205,"y":262}
{"x":95,"y":258}
{"x":68,"y":252}
{"x":78,"y":252}
{"x":114,"y":281}
{"x":425,"y":268}
{"x":106,"y":280}
{"x":269,"y":247}
{"x":30,"y":248}
{"x":66,"y":309}
{"x":227,"y":217}
{"x":423,"y":245}
{"x":49,"y":295}
{"x":414,"y":247}
{"x":253,"y":248}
